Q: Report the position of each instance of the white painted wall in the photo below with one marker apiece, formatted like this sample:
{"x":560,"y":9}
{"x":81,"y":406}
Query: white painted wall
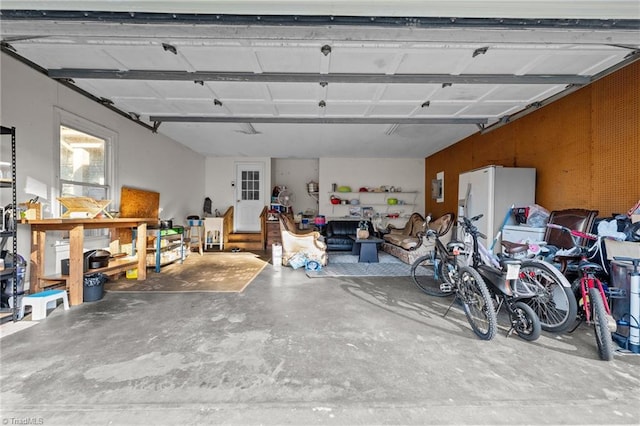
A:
{"x":28,"y":101}
{"x":408,"y":174}
{"x":295,"y":174}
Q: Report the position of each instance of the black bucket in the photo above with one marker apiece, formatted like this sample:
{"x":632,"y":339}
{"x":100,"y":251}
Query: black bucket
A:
{"x":93,"y":287}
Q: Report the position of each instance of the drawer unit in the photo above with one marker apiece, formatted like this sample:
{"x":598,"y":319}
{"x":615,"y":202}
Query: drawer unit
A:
{"x":273,"y":234}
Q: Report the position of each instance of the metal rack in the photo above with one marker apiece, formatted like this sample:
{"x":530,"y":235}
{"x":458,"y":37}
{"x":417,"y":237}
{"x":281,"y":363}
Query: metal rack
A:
{"x":8,"y":228}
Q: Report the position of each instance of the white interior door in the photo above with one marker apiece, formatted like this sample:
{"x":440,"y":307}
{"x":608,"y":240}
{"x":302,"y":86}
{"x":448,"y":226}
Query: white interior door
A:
{"x":249,"y":197}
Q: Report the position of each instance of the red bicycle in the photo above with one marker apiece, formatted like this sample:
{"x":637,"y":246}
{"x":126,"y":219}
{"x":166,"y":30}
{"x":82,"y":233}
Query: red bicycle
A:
{"x":595,"y":306}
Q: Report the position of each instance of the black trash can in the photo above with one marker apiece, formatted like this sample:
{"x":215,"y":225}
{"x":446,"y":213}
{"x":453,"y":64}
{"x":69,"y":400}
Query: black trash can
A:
{"x":93,"y":287}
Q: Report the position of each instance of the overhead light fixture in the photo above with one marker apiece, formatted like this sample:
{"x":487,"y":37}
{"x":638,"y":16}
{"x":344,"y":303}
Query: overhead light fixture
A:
{"x":425,"y":104}
{"x":134,"y":116}
{"x":247,"y":129}
{"x":217,"y":102}
{"x":105,"y":101}
{"x":169,"y":48}
{"x":322,"y":104}
{"x":391,"y":129}
{"x":326,"y":49}
{"x":480,"y":51}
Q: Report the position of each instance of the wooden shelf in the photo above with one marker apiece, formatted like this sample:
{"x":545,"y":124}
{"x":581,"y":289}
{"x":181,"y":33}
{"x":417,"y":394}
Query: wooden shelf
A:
{"x":117,"y":265}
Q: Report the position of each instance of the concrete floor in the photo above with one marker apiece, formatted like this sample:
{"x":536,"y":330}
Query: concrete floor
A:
{"x":293,"y":350}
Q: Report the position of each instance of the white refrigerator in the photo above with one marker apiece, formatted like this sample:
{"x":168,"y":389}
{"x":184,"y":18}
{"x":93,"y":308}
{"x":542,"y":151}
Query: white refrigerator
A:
{"x":491,"y":191}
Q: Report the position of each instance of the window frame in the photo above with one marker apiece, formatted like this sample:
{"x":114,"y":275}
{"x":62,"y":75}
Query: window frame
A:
{"x":67,"y":119}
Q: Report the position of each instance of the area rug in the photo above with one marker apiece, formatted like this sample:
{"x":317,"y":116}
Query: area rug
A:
{"x":347,"y":265}
{"x":211,"y":272}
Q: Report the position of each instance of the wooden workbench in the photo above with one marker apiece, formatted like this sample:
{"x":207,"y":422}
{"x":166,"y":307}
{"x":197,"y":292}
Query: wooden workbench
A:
{"x":76,"y":228}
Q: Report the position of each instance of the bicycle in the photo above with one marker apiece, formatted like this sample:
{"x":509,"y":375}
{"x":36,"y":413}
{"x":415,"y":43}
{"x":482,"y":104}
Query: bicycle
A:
{"x":504,"y":283}
{"x":595,"y":306}
{"x":553,"y":303}
{"x":439,"y":274}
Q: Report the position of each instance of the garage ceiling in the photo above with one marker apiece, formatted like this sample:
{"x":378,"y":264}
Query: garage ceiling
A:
{"x":322,"y":79}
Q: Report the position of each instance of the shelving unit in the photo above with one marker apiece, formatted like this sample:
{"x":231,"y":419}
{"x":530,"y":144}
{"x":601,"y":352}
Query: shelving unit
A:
{"x":376,"y":200}
{"x":9,"y":275}
{"x":169,"y":246}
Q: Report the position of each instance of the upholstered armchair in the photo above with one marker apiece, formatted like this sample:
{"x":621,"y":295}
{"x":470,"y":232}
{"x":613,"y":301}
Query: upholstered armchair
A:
{"x":308,"y":243}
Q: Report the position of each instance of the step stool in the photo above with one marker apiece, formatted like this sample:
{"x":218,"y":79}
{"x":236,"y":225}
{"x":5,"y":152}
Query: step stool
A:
{"x":42,"y":301}
{"x":195,"y":233}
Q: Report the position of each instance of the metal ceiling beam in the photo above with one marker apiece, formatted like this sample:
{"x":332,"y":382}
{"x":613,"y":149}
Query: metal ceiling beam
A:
{"x":166,"y":75}
{"x":315,"y":120}
{"x":620,"y":17}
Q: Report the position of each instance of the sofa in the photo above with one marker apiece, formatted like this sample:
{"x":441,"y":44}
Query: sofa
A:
{"x":338,"y":233}
{"x":411,"y":242}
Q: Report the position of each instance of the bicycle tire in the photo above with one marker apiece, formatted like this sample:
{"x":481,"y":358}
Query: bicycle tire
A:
{"x":600,"y":325}
{"x":555,"y":304}
{"x":477,"y":303}
{"x":423,"y":275}
{"x":526,"y":323}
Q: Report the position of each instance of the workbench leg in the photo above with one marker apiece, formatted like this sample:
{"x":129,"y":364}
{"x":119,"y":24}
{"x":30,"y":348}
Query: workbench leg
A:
{"x":76,"y":265}
{"x":37,"y":260}
{"x":141,"y":250}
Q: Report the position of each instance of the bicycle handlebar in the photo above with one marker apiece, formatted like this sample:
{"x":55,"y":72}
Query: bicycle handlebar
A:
{"x":573,"y":232}
{"x":469,"y":227}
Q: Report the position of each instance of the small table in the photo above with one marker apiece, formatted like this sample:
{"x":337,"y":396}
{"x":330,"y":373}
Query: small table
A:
{"x":366,"y":249}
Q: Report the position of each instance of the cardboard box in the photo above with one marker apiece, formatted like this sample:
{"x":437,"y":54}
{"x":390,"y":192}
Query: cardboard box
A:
{"x":32,"y":211}
{"x":622,"y":249}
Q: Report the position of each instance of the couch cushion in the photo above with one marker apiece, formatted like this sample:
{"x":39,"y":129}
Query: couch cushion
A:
{"x":409,"y":243}
{"x":414,"y":225}
{"x":394,"y":238}
{"x":442,"y":224}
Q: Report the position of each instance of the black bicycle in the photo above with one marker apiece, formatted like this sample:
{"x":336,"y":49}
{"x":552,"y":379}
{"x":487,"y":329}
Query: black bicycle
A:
{"x":439,"y":274}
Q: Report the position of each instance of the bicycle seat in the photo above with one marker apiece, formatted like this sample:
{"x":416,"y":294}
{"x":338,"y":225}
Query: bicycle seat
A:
{"x":589,"y":267}
{"x":514,"y":248}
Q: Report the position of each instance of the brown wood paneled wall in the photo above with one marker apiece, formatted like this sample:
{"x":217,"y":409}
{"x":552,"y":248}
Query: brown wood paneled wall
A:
{"x":585,"y":148}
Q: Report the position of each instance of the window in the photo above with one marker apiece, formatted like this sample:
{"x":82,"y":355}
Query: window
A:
{"x":86,"y":160}
{"x":250,"y":185}
{"x":83,"y":165}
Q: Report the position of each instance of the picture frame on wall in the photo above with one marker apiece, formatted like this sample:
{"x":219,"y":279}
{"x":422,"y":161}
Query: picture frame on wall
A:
{"x":355,"y":211}
{"x":367,"y":212}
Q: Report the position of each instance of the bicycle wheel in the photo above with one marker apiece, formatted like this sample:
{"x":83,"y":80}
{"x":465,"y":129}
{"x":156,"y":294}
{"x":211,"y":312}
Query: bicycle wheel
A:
{"x":430,"y":279}
{"x":525,"y":322}
{"x":477,"y":303}
{"x":600,"y":325}
{"x":554,"y":303}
